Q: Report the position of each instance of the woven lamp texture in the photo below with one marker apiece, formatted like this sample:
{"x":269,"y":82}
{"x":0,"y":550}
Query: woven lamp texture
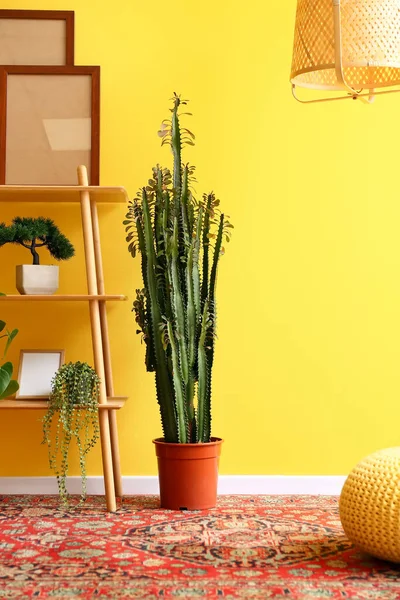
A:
{"x":370,"y":505}
{"x":370,"y":31}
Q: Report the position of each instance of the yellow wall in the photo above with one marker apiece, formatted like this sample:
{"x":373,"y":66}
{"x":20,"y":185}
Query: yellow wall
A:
{"x":307,"y":376}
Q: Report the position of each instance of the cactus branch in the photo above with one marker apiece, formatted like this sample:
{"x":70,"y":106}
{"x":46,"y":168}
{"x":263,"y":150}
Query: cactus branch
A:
{"x":206,"y":242}
{"x":182,"y":422}
{"x":196,"y":259}
{"x":176,"y":145}
{"x":191,"y":335}
{"x":184,"y":204}
{"x":203,"y":407}
{"x":177,"y":302}
{"x":213,"y":282}
{"x":163,"y":383}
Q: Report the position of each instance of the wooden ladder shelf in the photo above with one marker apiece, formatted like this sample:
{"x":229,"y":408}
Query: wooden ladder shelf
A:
{"x":87,"y":196}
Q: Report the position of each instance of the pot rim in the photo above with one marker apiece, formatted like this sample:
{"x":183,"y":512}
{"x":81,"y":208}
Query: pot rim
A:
{"x":215,"y":441}
{"x":31,"y":265}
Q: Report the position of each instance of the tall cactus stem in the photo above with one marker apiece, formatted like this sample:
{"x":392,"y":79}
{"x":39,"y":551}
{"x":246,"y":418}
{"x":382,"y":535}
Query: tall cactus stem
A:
{"x":183,"y":425}
{"x":217,"y":254}
{"x":168,"y":285}
{"x":191,"y":333}
{"x":150,"y":352}
{"x":163,"y":383}
{"x":213,"y":283}
{"x":202,"y":389}
{"x":184,"y":204}
{"x":196,"y":259}
{"x":206,"y":245}
{"x":177,"y":302}
{"x":158,"y":213}
{"x":176,"y":145}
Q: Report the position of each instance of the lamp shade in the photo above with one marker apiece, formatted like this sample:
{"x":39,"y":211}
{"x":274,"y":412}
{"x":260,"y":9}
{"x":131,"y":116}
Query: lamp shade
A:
{"x":346,"y":43}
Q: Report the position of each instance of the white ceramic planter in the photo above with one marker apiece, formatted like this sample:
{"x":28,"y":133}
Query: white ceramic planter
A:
{"x":37,"y":279}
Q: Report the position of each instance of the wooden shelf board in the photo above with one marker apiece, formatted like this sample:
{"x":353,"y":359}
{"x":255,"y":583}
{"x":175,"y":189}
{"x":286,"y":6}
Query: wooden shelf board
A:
{"x":113,"y":403}
{"x":61,"y":298}
{"x":61,"y":193}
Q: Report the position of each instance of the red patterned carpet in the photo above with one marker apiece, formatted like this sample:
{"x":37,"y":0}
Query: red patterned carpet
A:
{"x":249,"y":547}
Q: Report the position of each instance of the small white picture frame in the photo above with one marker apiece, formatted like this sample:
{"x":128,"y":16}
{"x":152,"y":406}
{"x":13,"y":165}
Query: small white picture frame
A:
{"x":36,"y":370}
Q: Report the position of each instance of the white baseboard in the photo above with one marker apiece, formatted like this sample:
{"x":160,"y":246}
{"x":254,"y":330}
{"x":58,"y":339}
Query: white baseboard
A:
{"x":281,"y":484}
{"x":228,"y":484}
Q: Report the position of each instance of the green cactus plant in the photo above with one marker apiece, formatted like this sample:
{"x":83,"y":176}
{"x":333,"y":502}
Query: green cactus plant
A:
{"x":180,"y":241}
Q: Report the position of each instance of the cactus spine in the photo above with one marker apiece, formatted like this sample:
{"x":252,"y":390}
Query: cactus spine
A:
{"x":176,"y":310}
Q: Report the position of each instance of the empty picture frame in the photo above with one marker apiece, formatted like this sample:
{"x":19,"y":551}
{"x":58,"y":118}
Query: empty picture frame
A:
{"x":49,"y":124}
{"x":36,"y":370}
{"x":36,"y":37}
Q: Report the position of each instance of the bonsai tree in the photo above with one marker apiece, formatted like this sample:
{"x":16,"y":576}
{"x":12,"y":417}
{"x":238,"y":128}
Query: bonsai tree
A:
{"x":36,"y":233}
{"x":180,"y":240}
{"x":8,"y":386}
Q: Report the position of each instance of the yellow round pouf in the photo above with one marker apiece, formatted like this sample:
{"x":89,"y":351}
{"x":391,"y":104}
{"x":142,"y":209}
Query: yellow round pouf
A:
{"x":370,"y":505}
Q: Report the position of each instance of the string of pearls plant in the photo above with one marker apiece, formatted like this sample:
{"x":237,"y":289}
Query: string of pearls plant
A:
{"x":73,"y":413}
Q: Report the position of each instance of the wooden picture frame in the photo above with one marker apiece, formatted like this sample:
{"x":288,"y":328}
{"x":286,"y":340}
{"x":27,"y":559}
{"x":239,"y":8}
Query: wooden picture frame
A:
{"x":49,"y":124}
{"x":37,"y":37}
{"x":35,"y":373}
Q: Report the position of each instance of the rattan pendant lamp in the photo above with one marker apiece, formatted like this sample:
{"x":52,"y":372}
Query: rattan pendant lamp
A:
{"x":346,"y":45}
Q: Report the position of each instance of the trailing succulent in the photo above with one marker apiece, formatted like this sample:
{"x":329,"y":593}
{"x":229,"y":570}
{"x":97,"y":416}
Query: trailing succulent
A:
{"x":36,"y":233}
{"x":8,"y":386}
{"x":73,"y":407}
{"x":180,"y":241}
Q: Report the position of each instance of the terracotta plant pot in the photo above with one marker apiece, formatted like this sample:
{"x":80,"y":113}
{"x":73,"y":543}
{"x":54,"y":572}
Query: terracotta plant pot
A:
{"x":188,"y":474}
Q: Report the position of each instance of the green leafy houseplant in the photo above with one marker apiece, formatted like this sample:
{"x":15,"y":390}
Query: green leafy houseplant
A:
{"x":8,"y":386}
{"x":180,"y":241}
{"x":73,"y":411}
{"x":36,"y":233}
